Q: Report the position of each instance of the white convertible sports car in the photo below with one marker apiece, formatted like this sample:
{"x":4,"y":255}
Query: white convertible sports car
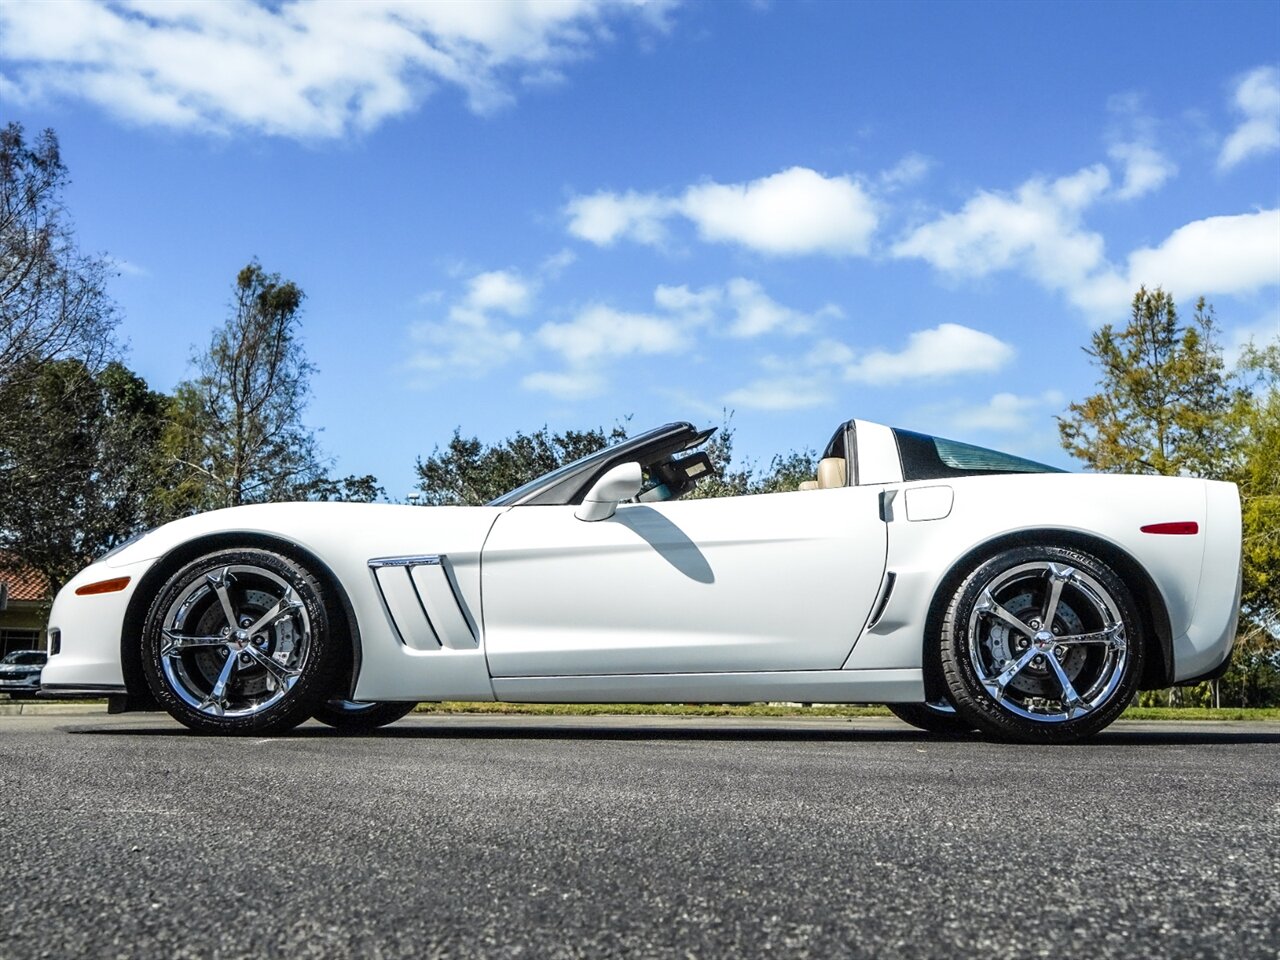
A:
{"x":966,"y":588}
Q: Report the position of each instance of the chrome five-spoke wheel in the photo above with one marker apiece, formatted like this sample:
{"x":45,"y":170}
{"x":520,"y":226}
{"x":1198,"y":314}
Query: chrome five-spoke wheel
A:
{"x":238,"y":641}
{"x":1042,"y":644}
{"x":359,"y":716}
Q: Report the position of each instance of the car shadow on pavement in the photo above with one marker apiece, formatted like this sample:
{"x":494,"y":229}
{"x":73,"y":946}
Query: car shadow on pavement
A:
{"x":702,"y":731}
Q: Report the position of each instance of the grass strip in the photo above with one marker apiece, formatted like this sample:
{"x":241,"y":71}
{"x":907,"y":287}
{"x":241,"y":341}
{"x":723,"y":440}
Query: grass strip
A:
{"x":1202,"y":713}
{"x":791,"y":710}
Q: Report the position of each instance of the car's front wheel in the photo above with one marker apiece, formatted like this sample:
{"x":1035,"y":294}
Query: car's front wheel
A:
{"x":938,"y":717}
{"x":1042,"y":644}
{"x":358,"y":716}
{"x":242,"y":642}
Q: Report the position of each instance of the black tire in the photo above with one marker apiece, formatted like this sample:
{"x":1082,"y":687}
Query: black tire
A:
{"x":262,"y":675}
{"x":355,"y":716}
{"x":933,"y":718}
{"x":995,"y":650}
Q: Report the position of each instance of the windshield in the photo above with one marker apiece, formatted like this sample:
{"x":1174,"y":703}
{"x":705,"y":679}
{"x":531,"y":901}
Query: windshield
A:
{"x":569,"y":483}
{"x":550,"y":479}
{"x":25,"y":658}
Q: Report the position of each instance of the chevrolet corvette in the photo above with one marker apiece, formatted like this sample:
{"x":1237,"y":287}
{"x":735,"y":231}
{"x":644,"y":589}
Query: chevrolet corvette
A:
{"x":967,"y":589}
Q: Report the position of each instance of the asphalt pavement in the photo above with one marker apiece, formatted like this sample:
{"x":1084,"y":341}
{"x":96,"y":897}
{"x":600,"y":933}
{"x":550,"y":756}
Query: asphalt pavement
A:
{"x":516,"y":837}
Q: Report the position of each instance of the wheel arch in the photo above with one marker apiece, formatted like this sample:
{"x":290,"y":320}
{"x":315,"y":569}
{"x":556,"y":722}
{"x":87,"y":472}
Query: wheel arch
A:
{"x":1157,"y":631}
{"x":160,"y":571}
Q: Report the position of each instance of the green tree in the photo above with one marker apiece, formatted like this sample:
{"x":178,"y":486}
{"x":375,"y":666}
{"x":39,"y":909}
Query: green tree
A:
{"x":53,"y":300}
{"x":1254,"y":678}
{"x":79,"y":458}
{"x":1163,"y":404}
{"x":1166,"y":404}
{"x":469,"y":472}
{"x":352,"y":489}
{"x":1258,"y":477}
{"x":785,"y":471}
{"x":237,"y":430}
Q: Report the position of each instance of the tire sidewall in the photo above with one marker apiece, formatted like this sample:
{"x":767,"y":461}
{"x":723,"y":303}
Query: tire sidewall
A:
{"x":924,"y":716}
{"x":376,"y":714}
{"x":318,"y":672}
{"x":967,"y":692}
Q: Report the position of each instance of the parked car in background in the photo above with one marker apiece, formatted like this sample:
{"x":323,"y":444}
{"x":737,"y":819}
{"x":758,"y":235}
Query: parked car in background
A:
{"x":20,"y":672}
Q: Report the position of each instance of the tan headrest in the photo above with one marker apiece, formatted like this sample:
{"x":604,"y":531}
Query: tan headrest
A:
{"x":831,"y":473}
{"x":808,"y":484}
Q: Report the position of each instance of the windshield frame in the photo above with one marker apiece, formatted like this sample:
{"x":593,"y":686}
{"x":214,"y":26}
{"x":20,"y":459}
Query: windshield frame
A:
{"x":568,"y":484}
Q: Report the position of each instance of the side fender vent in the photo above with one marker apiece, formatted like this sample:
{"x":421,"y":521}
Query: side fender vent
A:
{"x":422,"y":599}
{"x":886,"y":592}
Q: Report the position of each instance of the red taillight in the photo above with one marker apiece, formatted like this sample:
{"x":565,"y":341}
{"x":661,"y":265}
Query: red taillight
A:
{"x":102,"y":586}
{"x":1178,"y":527}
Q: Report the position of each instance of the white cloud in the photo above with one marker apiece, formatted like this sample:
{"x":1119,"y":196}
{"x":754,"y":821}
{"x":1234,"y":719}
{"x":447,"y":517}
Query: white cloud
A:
{"x":1257,"y":97}
{"x":1145,"y":169}
{"x":473,"y":345}
{"x":941,"y":351}
{"x":471,"y":339}
{"x":779,"y":393}
{"x":695,"y":307}
{"x":498,"y":290}
{"x":557,"y":263}
{"x":757,"y":313}
{"x":294,"y":69}
{"x":911,"y":169}
{"x":1037,"y":229}
{"x":1008,"y":412}
{"x":1230,"y":255}
{"x":600,"y":332}
{"x":1132,"y":136}
{"x":740,"y":308}
{"x":604,"y":218}
{"x":569,"y":385}
{"x":796,"y":211}
{"x":812,"y":378}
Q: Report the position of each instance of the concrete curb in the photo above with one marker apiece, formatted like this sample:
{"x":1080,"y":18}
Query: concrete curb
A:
{"x":35,"y":708}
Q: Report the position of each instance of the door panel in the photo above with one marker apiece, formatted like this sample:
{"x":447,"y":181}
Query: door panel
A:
{"x":773,"y":582}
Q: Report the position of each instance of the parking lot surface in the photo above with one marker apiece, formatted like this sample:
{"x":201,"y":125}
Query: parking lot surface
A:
{"x":497,"y":836}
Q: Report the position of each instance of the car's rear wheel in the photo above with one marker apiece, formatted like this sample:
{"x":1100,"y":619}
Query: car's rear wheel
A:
{"x":357,"y":716}
{"x":938,"y":716}
{"x":1042,"y":645}
{"x":241,"y":642}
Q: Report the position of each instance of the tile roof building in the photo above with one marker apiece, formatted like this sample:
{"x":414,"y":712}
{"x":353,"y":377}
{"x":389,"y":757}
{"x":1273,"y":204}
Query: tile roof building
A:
{"x":24,"y":607}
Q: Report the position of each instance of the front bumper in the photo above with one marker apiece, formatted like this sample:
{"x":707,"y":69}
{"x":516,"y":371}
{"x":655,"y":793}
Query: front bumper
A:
{"x":87,"y":661}
{"x":20,"y":685}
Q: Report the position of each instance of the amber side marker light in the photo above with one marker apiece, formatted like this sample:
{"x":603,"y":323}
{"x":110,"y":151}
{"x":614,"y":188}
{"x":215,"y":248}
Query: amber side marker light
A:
{"x":1183,"y":527}
{"x":102,"y":586}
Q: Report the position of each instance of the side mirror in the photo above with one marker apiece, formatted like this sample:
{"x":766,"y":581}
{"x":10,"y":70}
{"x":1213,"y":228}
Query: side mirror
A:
{"x":621,"y":483}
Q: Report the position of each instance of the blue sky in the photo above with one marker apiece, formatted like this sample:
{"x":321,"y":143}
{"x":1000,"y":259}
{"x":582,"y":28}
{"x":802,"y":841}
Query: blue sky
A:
{"x":505,"y":214}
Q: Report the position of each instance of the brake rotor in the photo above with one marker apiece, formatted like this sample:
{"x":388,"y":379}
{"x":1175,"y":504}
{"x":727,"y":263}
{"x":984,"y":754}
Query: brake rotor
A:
{"x":1005,"y":644}
{"x":251,"y":678}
